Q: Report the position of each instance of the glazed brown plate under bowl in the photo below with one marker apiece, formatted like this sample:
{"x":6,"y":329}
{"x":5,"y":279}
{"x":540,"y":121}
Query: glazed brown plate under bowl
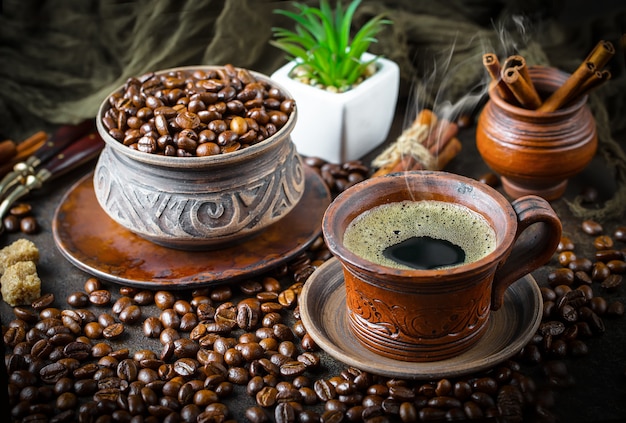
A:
{"x":95,"y":243}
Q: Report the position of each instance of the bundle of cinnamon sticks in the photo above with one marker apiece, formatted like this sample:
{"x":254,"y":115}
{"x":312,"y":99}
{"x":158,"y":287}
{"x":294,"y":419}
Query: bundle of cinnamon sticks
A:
{"x":513,"y":82}
{"x":12,"y":153}
{"x":430,"y":143}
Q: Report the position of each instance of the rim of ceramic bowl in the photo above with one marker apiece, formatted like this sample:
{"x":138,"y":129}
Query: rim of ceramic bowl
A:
{"x":335,"y":240}
{"x":556,"y":76}
{"x":196,"y":162}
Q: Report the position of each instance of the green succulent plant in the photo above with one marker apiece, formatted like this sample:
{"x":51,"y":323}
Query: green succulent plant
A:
{"x":322,"y":45}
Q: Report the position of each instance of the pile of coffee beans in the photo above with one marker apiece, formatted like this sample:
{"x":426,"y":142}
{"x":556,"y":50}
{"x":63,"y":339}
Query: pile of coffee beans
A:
{"x":240,"y":351}
{"x":572,"y":311}
{"x":339,"y":177}
{"x":220,"y":354}
{"x":21,"y":218}
{"x":191,"y":113}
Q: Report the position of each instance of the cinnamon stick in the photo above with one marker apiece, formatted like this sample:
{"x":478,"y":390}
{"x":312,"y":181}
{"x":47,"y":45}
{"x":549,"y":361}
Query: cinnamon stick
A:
{"x":569,"y":88}
{"x":492,"y":64}
{"x":518,"y":62}
{"x":521,"y":89}
{"x":441,"y":133}
{"x":8,"y":150}
{"x":451,"y":149}
{"x":592,"y":82}
{"x":444,"y":156}
{"x":437,"y":136}
{"x":23,"y":151}
{"x":530,"y":94}
{"x":426,"y":118}
{"x":406,"y":163}
{"x":34,"y":140}
{"x":601,"y":54}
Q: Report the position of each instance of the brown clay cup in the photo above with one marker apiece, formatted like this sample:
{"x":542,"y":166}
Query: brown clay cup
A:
{"x":430,"y":315}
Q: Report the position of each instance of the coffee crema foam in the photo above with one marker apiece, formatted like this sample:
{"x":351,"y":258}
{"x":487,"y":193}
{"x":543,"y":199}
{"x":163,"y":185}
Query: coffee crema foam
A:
{"x":370,"y":233}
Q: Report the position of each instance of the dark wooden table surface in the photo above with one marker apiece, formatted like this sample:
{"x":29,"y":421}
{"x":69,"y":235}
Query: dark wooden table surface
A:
{"x":596,"y":383}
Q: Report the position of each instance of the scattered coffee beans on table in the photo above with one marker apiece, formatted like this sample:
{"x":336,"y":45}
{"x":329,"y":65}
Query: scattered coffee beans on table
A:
{"x":240,"y":351}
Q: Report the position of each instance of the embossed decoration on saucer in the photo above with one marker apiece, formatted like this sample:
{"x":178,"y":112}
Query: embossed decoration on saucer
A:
{"x":536,"y":152}
{"x":196,"y":203}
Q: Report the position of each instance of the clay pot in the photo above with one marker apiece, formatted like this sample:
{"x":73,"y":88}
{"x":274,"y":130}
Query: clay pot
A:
{"x":428,"y":315}
{"x":199,"y":203}
{"x":536,"y":152}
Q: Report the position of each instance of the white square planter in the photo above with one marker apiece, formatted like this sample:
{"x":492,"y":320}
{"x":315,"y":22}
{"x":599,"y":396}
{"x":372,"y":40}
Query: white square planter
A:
{"x":345,"y":126}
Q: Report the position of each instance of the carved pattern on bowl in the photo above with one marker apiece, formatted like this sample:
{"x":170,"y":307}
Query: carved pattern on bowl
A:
{"x":198,"y":212}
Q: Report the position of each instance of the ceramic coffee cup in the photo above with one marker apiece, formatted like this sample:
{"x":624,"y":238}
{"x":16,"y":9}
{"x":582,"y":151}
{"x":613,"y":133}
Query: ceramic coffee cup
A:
{"x":429,"y":314}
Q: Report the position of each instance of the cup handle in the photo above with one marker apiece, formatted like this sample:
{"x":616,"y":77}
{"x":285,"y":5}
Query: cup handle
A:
{"x":538,"y":235}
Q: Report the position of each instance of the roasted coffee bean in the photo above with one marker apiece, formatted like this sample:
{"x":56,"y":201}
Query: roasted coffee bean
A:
{"x":78,"y":299}
{"x":324,"y":389}
{"x":608,"y":255}
{"x":287,"y":298}
{"x":25,"y":314}
{"x":21,"y":209}
{"x":248,"y":314}
{"x":29,"y":225}
{"x":565,"y":244}
{"x":562,"y":276}
{"x":113,"y":331}
{"x":11,"y":223}
{"x":578,"y":348}
{"x":130,"y":314}
{"x":44,"y":301}
{"x":566,"y":257}
{"x":581,"y":277}
{"x":485,"y":384}
{"x":581,"y":263}
{"x":620,"y":233}
{"x":100,"y":297}
{"x":152,"y":327}
{"x":51,"y":373}
{"x":600,"y":271}
{"x":510,"y":403}
{"x":144,"y":297}
{"x":568,"y":313}
{"x":617,"y":266}
{"x":77,"y":350}
{"x":292,"y":368}
{"x":233,"y":357}
{"x":170,"y":318}
{"x":445,"y":402}
{"x":603,"y":242}
{"x":310,"y":360}
{"x":164,"y":299}
{"x":267,"y":396}
{"x":93,"y":330}
{"x":612,"y":282}
{"x":428,"y":414}
{"x":592,"y":227}
{"x":615,"y":308}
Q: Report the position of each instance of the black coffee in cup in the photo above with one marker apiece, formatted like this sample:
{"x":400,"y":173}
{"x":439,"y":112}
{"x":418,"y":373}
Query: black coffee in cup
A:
{"x":420,"y":235}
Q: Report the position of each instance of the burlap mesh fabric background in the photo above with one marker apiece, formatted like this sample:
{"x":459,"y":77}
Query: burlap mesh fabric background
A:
{"x":60,"y":58}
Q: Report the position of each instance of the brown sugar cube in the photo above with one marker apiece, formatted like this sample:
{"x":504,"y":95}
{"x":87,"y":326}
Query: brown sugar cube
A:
{"x":20,"y":250}
{"x":20,"y":284}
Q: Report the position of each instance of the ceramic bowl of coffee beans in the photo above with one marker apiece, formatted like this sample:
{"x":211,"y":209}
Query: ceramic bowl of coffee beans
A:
{"x":198,"y":157}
